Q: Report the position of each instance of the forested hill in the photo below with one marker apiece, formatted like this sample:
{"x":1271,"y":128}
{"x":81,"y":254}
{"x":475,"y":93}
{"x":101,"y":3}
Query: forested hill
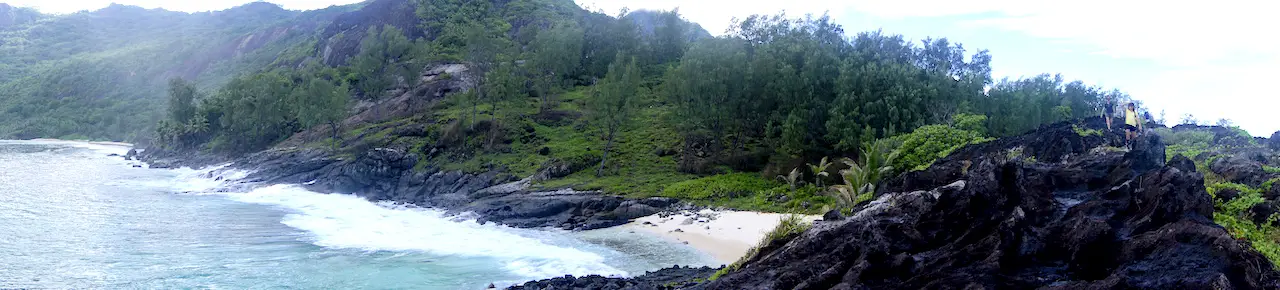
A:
{"x":103,"y":74}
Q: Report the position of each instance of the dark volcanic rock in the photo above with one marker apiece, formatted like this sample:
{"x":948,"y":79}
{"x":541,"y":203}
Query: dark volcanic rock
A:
{"x":1079,"y":219}
{"x":1240,"y":169}
{"x":1274,"y":141}
{"x":669,"y":278}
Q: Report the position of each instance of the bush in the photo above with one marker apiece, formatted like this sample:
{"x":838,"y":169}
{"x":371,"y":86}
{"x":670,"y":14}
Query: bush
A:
{"x":1083,"y":132}
{"x":920,"y":148}
{"x":719,"y":186}
{"x":1234,"y":215}
{"x":789,"y":228}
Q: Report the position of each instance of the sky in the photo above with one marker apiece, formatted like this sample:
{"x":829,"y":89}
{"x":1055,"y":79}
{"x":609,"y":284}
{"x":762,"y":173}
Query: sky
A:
{"x":1210,"y":59}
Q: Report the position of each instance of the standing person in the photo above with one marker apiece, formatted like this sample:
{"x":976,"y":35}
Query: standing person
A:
{"x":1132,"y":122}
{"x":1108,"y":111}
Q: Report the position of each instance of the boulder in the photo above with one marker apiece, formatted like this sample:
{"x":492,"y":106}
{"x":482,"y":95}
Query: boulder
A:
{"x":1239,"y":169}
{"x":1274,"y":141}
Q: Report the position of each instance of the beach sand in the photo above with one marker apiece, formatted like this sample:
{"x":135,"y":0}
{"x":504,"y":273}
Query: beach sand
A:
{"x":725,"y":235}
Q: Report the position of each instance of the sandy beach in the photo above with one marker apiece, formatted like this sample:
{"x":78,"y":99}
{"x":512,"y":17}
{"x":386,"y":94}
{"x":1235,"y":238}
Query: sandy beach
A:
{"x":725,"y":235}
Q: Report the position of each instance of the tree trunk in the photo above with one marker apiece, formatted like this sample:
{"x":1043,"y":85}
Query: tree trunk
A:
{"x":607,"y":146}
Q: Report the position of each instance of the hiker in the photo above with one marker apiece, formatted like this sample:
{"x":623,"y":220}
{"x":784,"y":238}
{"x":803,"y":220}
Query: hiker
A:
{"x":1108,"y":111}
{"x":1132,"y":124}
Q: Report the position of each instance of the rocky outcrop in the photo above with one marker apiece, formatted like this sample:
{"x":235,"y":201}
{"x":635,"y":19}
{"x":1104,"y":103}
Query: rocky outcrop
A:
{"x":1274,"y":141}
{"x":669,"y":278}
{"x":341,"y":39}
{"x":385,"y":174}
{"x":1084,"y":214}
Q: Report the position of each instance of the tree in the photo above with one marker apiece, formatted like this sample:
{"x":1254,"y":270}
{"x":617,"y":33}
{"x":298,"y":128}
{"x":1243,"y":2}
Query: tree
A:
{"x":557,"y":53}
{"x":1189,"y":119}
{"x":483,"y":47}
{"x":383,"y":59}
{"x":1225,"y":123}
{"x":503,"y":84}
{"x":613,"y":101}
{"x":323,"y":103}
{"x":182,"y":95}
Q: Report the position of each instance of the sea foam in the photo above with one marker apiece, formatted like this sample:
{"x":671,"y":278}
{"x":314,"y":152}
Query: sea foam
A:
{"x":349,"y":222}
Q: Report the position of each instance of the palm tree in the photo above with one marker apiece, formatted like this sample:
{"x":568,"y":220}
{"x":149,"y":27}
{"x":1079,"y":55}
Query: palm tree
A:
{"x":820,"y":170}
{"x":792,"y":179}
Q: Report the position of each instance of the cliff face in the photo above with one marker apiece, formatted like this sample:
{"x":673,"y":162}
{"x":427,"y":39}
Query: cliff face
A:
{"x":341,"y":38}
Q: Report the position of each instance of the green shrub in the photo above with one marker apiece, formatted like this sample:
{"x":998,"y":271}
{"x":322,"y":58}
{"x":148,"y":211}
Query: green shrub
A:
{"x":1234,"y":215}
{"x":1271,"y":169}
{"x":719,"y":186}
{"x":789,"y":228}
{"x":970,"y":122}
{"x":920,"y":148}
{"x":1085,"y":132}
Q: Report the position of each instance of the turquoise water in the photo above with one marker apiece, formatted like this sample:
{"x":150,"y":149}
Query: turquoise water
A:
{"x":70,"y":217}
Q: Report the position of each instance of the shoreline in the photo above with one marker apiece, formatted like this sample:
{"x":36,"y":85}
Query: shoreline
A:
{"x":725,"y":235}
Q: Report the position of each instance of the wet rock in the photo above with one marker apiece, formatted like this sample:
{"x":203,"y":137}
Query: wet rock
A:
{"x":668,"y":278}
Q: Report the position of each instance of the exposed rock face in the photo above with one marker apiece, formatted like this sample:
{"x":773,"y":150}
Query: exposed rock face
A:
{"x":669,"y":278}
{"x":335,"y":51}
{"x":1081,"y":218}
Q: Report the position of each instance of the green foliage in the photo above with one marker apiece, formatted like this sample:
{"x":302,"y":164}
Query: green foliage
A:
{"x":384,"y":57}
{"x":861,"y":177}
{"x":719,"y":186}
{"x":557,"y":52}
{"x":1235,"y":216}
{"x":790,"y":227}
{"x":614,"y":101}
{"x":1017,"y":106}
{"x":793,"y":179}
{"x":1083,"y":132}
{"x":970,"y":122}
{"x":1271,"y":169}
{"x":322,"y":103}
{"x":924,"y":145}
{"x":182,"y":96}
{"x":819,"y":170}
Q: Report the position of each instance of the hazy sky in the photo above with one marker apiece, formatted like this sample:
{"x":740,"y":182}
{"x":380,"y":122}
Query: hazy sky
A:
{"x":1211,"y":59}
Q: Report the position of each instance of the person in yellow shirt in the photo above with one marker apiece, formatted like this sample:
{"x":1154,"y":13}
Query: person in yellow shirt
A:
{"x":1133,"y":123}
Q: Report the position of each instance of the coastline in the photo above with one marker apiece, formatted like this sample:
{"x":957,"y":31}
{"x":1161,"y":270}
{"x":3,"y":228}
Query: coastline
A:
{"x":725,"y":235}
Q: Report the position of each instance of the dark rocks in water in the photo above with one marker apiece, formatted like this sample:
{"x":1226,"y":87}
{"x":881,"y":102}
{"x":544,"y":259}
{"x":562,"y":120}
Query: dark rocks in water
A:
{"x":1080,"y":219}
{"x":158,"y":157}
{"x":386,"y":174}
{"x":669,"y":278}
